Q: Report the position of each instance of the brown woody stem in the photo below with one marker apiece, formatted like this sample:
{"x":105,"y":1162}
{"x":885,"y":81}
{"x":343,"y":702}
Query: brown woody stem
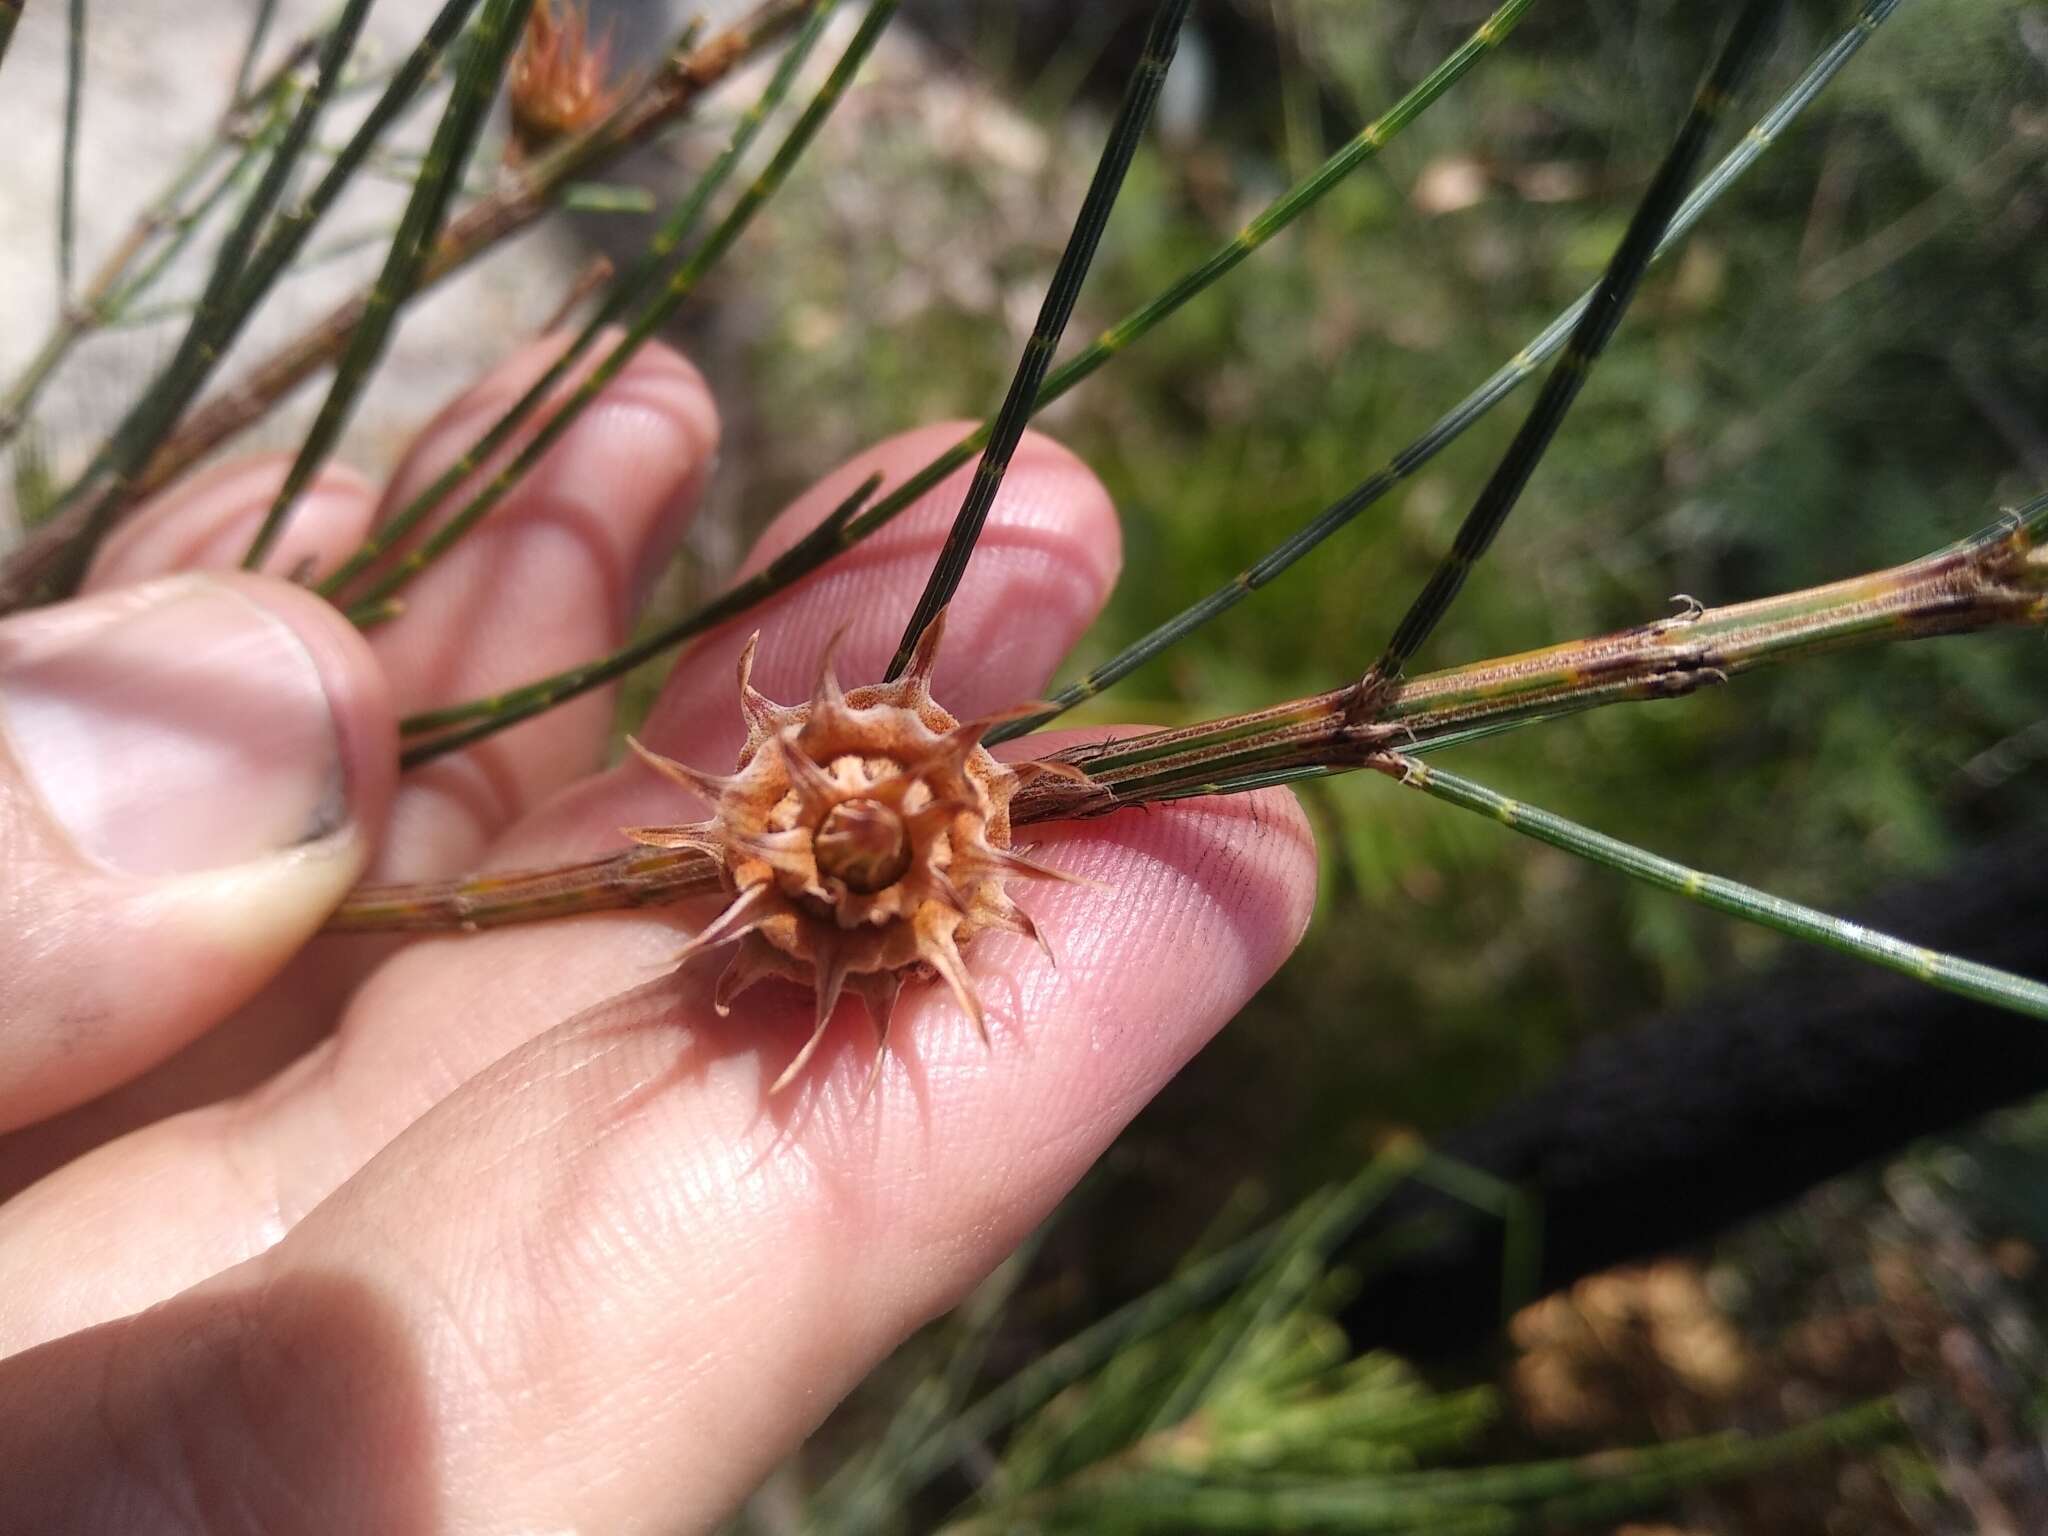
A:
{"x":1997,"y":578}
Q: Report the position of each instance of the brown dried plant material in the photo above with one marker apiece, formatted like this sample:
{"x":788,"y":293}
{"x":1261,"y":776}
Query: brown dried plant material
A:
{"x":558,"y":77}
{"x":864,"y":838}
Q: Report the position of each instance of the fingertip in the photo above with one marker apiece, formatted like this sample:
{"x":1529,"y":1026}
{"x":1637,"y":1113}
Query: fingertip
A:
{"x":1042,"y":569}
{"x":358,"y":693}
{"x":192,"y":773}
{"x":630,"y":470}
{"x":210,"y":521}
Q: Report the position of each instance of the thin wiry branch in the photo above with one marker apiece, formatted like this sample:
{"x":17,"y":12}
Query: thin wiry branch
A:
{"x":243,"y":272}
{"x":652,"y":277}
{"x":1133,"y":115}
{"x":1967,"y":978}
{"x":67,"y":186}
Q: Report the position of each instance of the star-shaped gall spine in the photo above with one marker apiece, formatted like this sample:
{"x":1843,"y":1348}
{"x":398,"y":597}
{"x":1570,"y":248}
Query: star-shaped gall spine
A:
{"x":865,"y":839}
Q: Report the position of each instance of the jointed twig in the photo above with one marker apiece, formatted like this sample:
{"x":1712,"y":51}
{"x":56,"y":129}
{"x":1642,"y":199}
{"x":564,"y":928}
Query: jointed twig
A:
{"x":67,"y":192}
{"x":1997,"y":578}
{"x":1967,"y":978}
{"x":647,"y":294}
{"x":253,"y":253}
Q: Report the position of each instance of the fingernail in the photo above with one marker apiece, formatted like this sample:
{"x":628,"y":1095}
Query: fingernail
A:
{"x":172,"y":727}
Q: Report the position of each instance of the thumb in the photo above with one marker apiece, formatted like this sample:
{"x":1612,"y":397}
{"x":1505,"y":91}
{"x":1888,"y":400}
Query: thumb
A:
{"x":192,"y":772}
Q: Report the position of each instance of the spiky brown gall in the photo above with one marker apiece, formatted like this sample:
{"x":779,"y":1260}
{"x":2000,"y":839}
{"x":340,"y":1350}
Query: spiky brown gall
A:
{"x":864,"y":838}
{"x":558,"y":77}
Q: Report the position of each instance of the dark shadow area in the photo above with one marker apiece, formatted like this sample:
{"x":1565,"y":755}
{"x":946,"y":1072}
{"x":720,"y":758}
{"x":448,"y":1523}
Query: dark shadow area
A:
{"x":1715,"y":1113}
{"x":300,"y":1406}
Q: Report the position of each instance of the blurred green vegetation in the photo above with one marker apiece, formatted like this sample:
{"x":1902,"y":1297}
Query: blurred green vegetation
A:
{"x":1843,"y":368}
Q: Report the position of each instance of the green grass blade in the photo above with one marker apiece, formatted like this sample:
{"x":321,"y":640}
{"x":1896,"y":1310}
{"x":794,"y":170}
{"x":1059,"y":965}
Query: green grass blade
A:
{"x":1984,"y":983}
{"x":655,"y":267}
{"x":67,"y":181}
{"x":482,"y":717}
{"x":1142,"y":91}
{"x":650,"y":319}
{"x":485,"y":58}
{"x":1611,"y":298}
{"x":1449,"y":427}
{"x":244,"y":271}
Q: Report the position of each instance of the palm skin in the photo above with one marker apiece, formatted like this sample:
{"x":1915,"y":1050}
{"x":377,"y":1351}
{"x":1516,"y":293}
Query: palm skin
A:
{"x":504,"y":1231}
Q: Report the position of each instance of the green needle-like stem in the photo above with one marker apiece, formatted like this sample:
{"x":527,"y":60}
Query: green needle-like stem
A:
{"x":1140,"y":94}
{"x":243,"y":273}
{"x":651,"y":316}
{"x":1984,"y":983}
{"x":489,"y":52}
{"x":67,"y":185}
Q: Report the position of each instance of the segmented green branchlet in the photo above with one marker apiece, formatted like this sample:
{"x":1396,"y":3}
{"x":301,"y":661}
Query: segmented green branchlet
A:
{"x":484,"y":62}
{"x":247,"y":132}
{"x":243,"y":274}
{"x":1611,"y":298}
{"x":1450,"y":426}
{"x":1141,"y":92}
{"x":652,"y":273}
{"x":180,"y":227}
{"x":1984,"y":983}
{"x":498,"y":711}
{"x":26,"y":574}
{"x":373,"y":603}
{"x":213,"y":315}
{"x":67,"y":178}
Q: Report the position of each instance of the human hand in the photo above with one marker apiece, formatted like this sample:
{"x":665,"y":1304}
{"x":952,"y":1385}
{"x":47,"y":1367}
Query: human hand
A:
{"x":502,"y":1231}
